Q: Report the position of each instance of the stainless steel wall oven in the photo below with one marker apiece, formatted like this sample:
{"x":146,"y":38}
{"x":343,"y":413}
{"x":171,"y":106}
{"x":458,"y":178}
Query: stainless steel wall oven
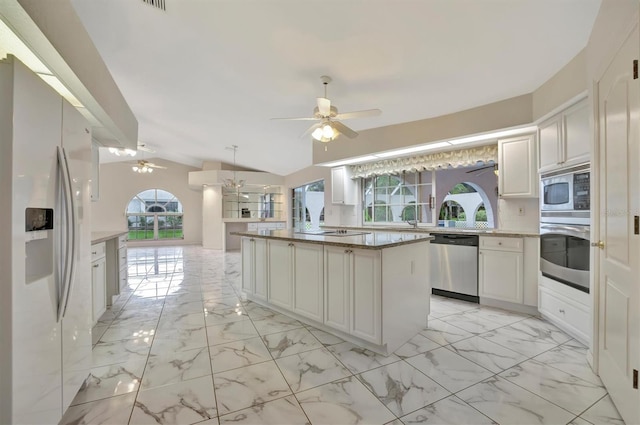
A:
{"x":565,"y":202}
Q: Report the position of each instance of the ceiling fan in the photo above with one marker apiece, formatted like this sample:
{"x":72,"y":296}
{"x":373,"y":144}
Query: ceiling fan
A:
{"x":330,"y":125}
{"x":484,"y":169}
{"x":142,"y":166}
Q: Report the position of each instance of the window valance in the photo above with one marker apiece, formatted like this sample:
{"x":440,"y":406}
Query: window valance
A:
{"x":433,"y":161}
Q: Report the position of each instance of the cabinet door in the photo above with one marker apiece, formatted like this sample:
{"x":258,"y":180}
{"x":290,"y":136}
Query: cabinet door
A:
{"x":308,"y":280}
{"x":260,"y":269}
{"x":337,"y":185}
{"x":98,"y":288}
{"x":280,"y":270}
{"x":500,"y":275}
{"x":343,"y":189}
{"x":517,"y":175}
{"x":577,"y":140}
{"x":550,"y":133}
{"x":247,"y":265}
{"x":337,"y":278}
{"x":366,"y":294}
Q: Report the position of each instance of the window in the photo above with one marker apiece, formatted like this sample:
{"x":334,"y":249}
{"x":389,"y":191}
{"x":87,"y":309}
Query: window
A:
{"x":308,"y":206}
{"x":396,"y":199}
{"x":465,"y":205}
{"x":154,"y":214}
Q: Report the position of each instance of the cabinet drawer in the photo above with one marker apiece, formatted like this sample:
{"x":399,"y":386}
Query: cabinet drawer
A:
{"x":501,"y":244}
{"x":252,"y":226}
{"x":280,"y":225}
{"x":122,"y":241}
{"x":565,"y":311}
{"x":97,"y":251}
{"x":122,"y":279}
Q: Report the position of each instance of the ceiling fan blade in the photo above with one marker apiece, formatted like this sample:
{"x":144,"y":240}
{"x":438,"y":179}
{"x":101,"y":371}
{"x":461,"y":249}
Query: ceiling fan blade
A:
{"x":156,"y":166}
{"x":343,"y":129}
{"x":310,"y":130}
{"x":359,"y":114}
{"x":480,"y":168}
{"x":324,"y":106}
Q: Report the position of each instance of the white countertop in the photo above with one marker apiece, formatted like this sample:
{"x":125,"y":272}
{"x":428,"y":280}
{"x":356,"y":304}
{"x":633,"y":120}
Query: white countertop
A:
{"x":97,"y":237}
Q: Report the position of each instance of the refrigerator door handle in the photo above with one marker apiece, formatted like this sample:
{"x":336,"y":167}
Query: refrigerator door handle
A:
{"x":68,"y":237}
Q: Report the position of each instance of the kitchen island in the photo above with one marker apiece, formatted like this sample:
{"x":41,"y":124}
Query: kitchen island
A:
{"x":369,"y":288}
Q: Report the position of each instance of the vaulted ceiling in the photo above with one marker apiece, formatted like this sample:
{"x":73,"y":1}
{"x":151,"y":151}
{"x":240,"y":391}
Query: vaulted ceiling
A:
{"x":206,"y":74}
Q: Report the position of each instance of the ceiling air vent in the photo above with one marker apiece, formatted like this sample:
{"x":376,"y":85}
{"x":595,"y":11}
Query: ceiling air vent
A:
{"x":160,"y":4}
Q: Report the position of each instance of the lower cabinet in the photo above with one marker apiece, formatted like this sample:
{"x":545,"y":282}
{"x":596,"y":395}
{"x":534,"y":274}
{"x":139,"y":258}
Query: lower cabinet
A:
{"x":98,"y":281}
{"x":567,"y":308}
{"x":280,"y":272}
{"x":254,"y":267}
{"x":308,"y":280}
{"x":500,"y":269}
{"x":353,"y":291}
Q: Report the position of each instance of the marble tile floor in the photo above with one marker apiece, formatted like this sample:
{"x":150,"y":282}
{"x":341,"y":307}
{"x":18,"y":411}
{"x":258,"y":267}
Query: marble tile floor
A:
{"x":182,"y":346}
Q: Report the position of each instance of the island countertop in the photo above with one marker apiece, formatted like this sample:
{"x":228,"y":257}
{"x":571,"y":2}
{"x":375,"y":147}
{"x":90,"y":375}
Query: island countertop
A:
{"x":365,"y":239}
{"x":97,"y":237}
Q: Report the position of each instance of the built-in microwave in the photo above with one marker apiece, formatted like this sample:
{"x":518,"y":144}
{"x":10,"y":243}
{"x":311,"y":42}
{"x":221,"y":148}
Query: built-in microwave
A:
{"x":566,"y":193}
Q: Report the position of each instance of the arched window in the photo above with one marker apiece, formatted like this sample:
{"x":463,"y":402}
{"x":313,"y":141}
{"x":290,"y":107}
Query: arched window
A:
{"x":154,"y":214}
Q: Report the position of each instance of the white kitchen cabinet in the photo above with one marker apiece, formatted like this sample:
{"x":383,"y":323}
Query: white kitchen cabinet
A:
{"x":500,"y":269}
{"x":366,"y":292}
{"x":353,"y":292}
{"x":98,"y":281}
{"x":564,"y":138}
{"x":117,"y":267}
{"x":337,"y":295}
{"x":567,"y":308}
{"x":254,"y":267}
{"x":343,"y":188}
{"x":517,"y":177}
{"x":280,"y":273}
{"x":308,"y":280}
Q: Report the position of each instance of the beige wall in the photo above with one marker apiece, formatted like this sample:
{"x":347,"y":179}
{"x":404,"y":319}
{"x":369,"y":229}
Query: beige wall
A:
{"x":118,"y":184}
{"x":566,"y":84}
{"x":499,"y":115}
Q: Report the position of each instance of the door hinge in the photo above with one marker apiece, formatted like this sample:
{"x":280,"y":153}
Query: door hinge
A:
{"x":635,"y":69}
{"x":636,"y":225}
{"x":635,"y":379}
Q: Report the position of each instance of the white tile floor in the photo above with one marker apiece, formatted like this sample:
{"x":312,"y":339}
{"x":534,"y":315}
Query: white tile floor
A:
{"x":182,"y":347}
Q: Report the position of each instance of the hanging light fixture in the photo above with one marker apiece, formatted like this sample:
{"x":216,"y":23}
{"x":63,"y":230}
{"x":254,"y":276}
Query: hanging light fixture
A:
{"x":233,"y":183}
{"x":122,"y":152}
{"x":325,"y":133}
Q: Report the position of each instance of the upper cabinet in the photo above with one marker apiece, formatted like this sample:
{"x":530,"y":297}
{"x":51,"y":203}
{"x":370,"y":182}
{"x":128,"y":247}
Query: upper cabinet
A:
{"x":564,"y":138}
{"x":343,"y":189}
{"x":517,"y":176}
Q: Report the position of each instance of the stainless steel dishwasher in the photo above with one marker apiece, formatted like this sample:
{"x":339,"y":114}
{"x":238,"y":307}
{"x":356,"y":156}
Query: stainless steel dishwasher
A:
{"x":454,"y":266}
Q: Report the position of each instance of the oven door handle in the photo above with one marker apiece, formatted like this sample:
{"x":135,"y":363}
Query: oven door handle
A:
{"x":577,"y":231}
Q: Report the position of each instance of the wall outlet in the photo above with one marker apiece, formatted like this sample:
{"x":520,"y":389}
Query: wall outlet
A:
{"x":520,"y":210}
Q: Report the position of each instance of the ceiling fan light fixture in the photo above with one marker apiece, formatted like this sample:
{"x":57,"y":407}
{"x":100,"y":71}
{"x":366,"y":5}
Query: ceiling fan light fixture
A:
{"x":327,"y":132}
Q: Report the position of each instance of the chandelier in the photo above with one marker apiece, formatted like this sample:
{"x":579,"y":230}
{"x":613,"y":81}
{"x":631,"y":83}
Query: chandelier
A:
{"x":233,"y":183}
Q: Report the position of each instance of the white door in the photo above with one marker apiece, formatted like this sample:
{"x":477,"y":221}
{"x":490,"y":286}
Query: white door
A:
{"x":619,"y":181}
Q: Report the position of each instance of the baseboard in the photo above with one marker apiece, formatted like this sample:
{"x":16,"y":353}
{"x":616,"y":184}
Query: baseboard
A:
{"x":505,"y":305}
